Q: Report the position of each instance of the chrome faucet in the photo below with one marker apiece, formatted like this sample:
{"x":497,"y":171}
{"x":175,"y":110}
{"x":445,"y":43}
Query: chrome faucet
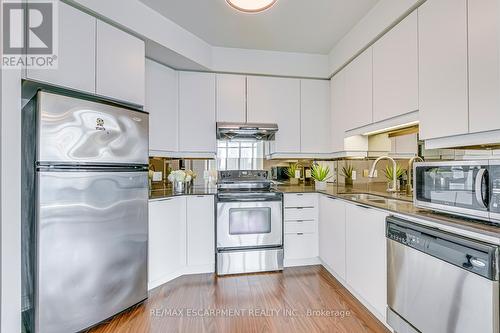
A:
{"x":409,"y":186}
{"x":394,"y":187}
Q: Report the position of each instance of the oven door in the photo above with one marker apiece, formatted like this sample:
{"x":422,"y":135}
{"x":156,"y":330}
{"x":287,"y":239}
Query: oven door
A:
{"x":460,"y":188}
{"x":249,"y":221}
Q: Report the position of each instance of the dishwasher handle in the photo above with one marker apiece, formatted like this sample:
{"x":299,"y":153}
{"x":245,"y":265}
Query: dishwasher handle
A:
{"x":471,"y":255}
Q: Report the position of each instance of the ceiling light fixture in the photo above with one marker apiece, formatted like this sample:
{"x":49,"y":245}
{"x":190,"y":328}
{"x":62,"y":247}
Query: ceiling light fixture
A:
{"x":251,"y":6}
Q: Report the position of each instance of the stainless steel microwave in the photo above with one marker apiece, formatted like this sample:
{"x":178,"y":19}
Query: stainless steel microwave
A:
{"x":465,"y":188}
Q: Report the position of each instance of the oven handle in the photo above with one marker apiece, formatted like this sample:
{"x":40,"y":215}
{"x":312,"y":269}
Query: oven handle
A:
{"x":481,"y":175}
{"x":233,"y":199}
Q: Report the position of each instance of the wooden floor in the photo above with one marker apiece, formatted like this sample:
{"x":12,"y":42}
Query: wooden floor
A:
{"x":268,"y":302}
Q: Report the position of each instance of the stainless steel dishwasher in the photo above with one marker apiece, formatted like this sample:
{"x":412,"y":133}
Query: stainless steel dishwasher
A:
{"x":438,"y":282}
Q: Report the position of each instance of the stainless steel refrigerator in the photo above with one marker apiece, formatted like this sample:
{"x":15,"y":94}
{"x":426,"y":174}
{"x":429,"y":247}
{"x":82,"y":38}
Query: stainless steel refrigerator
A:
{"x":90,"y":210}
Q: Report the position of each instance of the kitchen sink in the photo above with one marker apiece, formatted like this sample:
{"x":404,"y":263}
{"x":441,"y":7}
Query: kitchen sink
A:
{"x":367,"y":197}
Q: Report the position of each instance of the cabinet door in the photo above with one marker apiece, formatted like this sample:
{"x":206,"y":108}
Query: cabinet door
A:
{"x":443,"y":68}
{"x":332,"y":234}
{"x":276,"y":100}
{"x":231,"y":98}
{"x":366,"y":255}
{"x":300,"y":245}
{"x":395,"y":71}
{"x":200,"y":230}
{"x":120,"y":65}
{"x":359,"y":92}
{"x":76,"y":58}
{"x":197,"y":112}
{"x":338,"y":113}
{"x":484,"y":65}
{"x":162,"y":92}
{"x":315,"y":116}
{"x":167,"y":239}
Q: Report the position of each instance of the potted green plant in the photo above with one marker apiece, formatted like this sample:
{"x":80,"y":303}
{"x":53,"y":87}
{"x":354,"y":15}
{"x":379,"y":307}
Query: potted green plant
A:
{"x":293,"y":171}
{"x":320,"y":174}
{"x":389,"y":174}
{"x":347,"y":172}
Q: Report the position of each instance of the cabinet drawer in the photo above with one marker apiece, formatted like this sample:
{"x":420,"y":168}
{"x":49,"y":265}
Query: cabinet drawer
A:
{"x":301,"y":246}
{"x":300,"y":214}
{"x":301,"y":200}
{"x":294,"y":227}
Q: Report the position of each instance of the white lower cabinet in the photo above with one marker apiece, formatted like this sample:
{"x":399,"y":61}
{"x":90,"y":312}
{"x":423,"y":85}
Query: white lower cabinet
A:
{"x":167,"y":240}
{"x":366,"y":262}
{"x":201,"y":232}
{"x":181,"y":238}
{"x":332,"y":243}
{"x":301,"y":229}
{"x":301,"y":245}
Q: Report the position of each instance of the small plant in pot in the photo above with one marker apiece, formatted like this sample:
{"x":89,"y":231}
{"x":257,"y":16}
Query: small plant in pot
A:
{"x":389,"y":173}
{"x":320,"y":174}
{"x":293,"y":171}
{"x":347,"y":172}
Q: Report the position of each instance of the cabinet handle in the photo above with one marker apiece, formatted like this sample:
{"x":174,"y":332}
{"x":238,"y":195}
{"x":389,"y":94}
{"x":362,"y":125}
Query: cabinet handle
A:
{"x":360,"y":206}
{"x":300,"y":233}
{"x":200,"y":196}
{"x":300,"y":194}
{"x":300,"y":208}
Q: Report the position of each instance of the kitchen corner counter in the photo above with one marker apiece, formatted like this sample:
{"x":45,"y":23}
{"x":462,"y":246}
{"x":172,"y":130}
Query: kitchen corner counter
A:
{"x":397,"y":204}
{"x":168,"y":192}
{"x":402,"y":206}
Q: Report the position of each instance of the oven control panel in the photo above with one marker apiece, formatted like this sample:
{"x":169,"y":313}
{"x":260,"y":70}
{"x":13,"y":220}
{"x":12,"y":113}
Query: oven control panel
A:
{"x":242,"y":175}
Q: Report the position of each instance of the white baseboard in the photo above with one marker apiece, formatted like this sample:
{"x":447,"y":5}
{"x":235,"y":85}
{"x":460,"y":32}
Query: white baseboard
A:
{"x":164,"y":279}
{"x":188,"y":270}
{"x":301,"y":262}
{"x":199,"y":269}
{"x":381,"y":317}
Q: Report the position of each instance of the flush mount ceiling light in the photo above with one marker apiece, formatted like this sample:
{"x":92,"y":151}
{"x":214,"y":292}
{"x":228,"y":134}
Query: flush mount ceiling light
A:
{"x":251,"y":6}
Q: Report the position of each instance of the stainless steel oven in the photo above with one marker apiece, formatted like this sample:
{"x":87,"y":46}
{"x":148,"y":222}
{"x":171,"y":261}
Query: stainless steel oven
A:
{"x":249,"y":233}
{"x":456,"y":187}
{"x":249,"y":220}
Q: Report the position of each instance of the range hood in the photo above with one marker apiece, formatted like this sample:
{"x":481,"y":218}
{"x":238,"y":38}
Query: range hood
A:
{"x":246,"y":131}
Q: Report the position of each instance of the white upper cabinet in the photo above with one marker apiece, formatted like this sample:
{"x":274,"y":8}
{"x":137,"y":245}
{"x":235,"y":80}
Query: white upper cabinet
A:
{"x":366,"y":261}
{"x":197,"y":112}
{"x":332,"y":234}
{"x":338,"y":111}
{"x":315,"y":116}
{"x":120,"y":65}
{"x":484,"y":65}
{"x":359,"y":92}
{"x":162,"y":92}
{"x":231,"y":98}
{"x":395,"y":71}
{"x":276,"y":100}
{"x":443,"y":68}
{"x":76,"y":54}
{"x":200,"y":231}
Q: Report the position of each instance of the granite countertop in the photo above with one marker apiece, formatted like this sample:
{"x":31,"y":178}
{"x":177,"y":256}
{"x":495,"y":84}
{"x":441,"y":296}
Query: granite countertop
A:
{"x":168,"y":191}
{"x":397,"y":204}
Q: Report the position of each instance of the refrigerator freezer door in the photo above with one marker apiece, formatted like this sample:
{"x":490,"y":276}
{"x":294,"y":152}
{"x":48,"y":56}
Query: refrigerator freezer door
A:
{"x":72,"y":130}
{"x":92,"y":247}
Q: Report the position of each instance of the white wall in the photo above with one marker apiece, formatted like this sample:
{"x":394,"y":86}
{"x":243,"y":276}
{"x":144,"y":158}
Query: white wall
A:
{"x":136,"y":17}
{"x":174,"y":46}
{"x":10,"y":199}
{"x":380,"y":19}
{"x":235,"y":60}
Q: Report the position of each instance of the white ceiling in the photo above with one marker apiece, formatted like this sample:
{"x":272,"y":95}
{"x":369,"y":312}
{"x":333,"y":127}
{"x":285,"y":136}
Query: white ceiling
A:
{"x":308,"y":26}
